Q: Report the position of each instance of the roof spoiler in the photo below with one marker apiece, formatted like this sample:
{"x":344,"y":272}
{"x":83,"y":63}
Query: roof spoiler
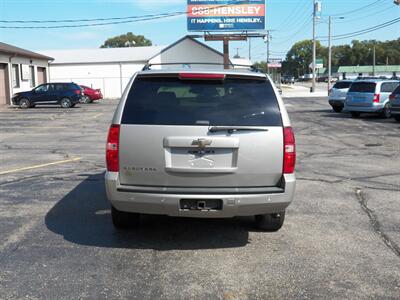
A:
{"x":188,"y":65}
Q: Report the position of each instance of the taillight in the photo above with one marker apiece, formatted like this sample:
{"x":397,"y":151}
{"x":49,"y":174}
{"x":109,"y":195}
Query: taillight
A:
{"x":377,"y":98}
{"x":78,"y":92}
{"x":112,"y":149}
{"x":392,"y":97}
{"x":289,"y":151}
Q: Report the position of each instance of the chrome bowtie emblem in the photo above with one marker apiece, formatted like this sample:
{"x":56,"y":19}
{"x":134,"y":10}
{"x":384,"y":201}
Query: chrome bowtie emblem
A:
{"x":202,"y":143}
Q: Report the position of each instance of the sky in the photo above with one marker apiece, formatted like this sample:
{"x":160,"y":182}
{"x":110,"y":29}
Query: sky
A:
{"x":288,"y":20}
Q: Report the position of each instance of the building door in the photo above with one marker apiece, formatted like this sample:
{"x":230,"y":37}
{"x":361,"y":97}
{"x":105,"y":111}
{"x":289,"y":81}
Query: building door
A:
{"x":4,"y":89}
{"x":41,"y":75}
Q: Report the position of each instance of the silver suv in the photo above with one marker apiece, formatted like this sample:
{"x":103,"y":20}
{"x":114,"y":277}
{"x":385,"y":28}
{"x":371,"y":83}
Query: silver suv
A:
{"x":204,"y":144}
{"x":370,"y":96}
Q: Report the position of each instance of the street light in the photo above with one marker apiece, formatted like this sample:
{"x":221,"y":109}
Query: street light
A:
{"x":330,"y":51}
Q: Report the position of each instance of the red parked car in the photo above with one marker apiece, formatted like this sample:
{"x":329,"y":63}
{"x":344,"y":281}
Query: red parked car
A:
{"x":90,"y":95}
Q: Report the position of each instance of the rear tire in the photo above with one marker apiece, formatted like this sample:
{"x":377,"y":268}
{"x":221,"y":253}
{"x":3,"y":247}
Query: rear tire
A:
{"x":86,"y":99}
{"x":123,"y":220}
{"x":270,"y":222}
{"x":355,"y":114}
{"x":386,"y":113}
{"x":24,"y":103}
{"x":397,"y":118}
{"x":337,"y":109}
{"x":65,"y":103}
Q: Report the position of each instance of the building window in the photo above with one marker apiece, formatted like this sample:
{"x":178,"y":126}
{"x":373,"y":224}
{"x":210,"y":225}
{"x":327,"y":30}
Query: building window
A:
{"x":32,"y":82}
{"x":15,"y":76}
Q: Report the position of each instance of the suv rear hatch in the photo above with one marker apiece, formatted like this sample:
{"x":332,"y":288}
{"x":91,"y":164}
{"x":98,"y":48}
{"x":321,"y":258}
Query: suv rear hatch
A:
{"x":340,"y":89}
{"x":201,"y":130}
{"x":361,"y":94}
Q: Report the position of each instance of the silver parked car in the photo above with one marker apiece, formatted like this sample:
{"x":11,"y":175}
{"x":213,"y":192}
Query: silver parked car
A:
{"x":337,"y":95}
{"x":203,"y":144}
{"x":370,"y":96}
{"x":395,"y":103}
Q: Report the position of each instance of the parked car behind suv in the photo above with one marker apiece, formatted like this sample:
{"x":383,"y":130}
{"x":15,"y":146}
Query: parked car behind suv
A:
{"x":395,"y":103}
{"x":90,"y":95}
{"x":370,"y":96}
{"x":337,"y":95}
{"x":288,"y":79}
{"x":64,"y":94}
{"x":209,"y":144}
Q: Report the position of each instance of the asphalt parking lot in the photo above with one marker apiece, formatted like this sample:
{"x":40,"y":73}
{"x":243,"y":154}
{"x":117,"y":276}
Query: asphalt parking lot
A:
{"x":341,"y":237}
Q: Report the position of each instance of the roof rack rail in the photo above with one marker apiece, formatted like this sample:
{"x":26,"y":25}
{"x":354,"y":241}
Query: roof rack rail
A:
{"x":187,"y":65}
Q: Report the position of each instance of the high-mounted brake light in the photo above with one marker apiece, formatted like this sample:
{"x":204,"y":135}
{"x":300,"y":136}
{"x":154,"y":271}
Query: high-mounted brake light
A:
{"x":112,"y":149}
{"x":377,"y":98}
{"x":289,"y":151}
{"x":200,"y":76}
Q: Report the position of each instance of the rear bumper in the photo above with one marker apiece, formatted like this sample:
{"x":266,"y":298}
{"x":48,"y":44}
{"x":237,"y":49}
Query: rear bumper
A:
{"x":395,"y":109}
{"x":376,"y":108}
{"x":169,"y":204}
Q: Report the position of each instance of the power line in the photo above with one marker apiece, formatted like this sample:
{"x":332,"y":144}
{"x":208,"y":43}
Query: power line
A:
{"x":85,"y":20}
{"x":357,"y":9}
{"x":94,"y":24}
{"x":292,"y":14}
{"x":122,"y":20}
{"x":289,"y":38}
{"x":375,"y":13}
{"x":295,"y":21}
{"x":363,"y":31}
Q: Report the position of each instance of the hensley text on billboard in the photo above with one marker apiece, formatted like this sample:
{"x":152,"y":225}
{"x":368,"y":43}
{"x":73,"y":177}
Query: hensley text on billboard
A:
{"x":226,"y":15}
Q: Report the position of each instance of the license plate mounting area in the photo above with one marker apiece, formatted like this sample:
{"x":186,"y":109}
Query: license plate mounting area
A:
{"x":201,"y":204}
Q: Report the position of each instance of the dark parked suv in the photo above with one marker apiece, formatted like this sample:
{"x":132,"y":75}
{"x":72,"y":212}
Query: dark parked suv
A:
{"x":395,"y":103}
{"x":64,"y":94}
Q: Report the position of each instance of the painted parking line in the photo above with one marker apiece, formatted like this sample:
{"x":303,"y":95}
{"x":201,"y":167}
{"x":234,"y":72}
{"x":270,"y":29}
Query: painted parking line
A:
{"x":41,"y":166}
{"x":98,"y":115}
{"x":33,"y":127}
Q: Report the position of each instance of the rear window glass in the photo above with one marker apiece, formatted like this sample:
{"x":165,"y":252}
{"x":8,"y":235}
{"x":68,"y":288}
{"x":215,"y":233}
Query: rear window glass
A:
{"x":72,"y":86}
{"x":397,"y":90}
{"x":171,"y":101}
{"x":363,"y":87}
{"x":342,"y":85}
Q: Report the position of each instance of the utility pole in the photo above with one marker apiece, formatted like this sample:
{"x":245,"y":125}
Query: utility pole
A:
{"x":330,"y":54}
{"x":267,"y":37}
{"x":249,"y":48}
{"x":374,"y":62}
{"x":314,"y":52}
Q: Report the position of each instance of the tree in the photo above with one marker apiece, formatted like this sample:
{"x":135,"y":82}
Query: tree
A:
{"x":126,"y":40}
{"x":358,"y":53}
{"x":299,"y":57}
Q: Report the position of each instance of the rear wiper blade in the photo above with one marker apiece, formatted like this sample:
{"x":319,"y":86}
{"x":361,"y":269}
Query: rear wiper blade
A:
{"x":231,"y":129}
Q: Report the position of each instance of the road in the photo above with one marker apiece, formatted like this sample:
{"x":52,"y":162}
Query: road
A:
{"x":341,"y":237}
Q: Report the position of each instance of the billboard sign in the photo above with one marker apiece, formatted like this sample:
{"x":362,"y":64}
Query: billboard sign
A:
{"x":275,"y":63}
{"x":225,"y":15}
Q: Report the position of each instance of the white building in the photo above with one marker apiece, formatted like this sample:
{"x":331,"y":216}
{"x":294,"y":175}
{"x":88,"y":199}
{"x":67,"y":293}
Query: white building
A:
{"x":111,"y":68}
{"x":20,"y":70}
{"x":106,"y":68}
